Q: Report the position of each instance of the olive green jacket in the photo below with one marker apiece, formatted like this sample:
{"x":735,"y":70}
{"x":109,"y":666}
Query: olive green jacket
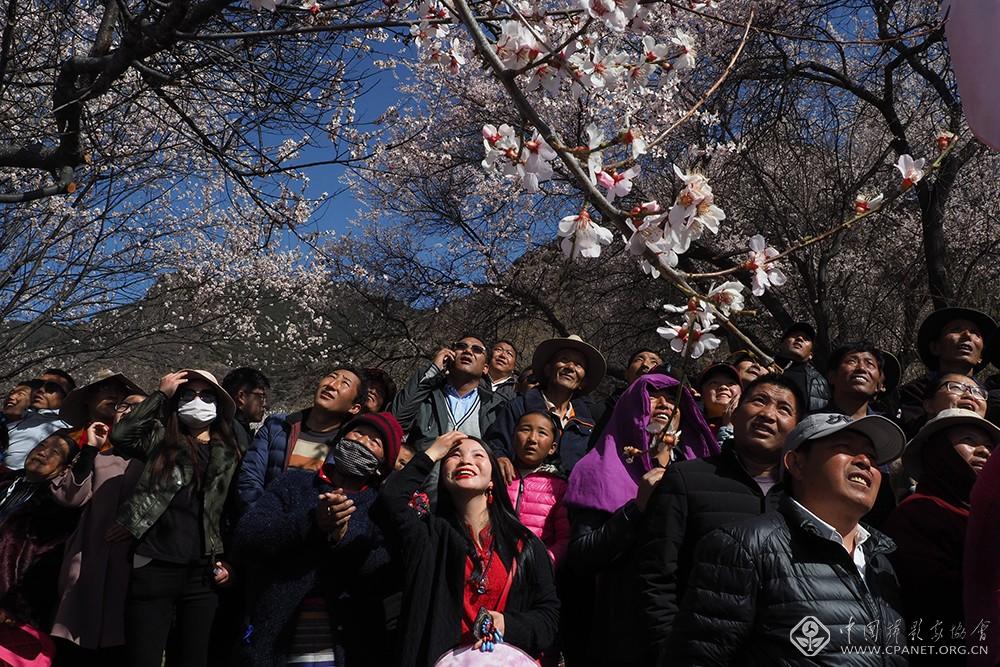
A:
{"x":139,"y":436}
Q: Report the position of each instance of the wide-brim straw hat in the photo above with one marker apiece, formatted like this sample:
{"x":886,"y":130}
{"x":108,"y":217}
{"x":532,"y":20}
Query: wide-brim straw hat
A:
{"x":74,"y":406}
{"x":597,"y":366}
{"x":223,"y":399}
{"x":933,"y":324}
{"x":913,"y":460}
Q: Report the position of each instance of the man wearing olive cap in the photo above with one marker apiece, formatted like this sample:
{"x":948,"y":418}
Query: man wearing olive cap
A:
{"x":804,"y":583}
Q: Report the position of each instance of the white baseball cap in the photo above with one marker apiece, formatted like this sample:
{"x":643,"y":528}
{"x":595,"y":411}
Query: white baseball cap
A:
{"x":887,"y":438}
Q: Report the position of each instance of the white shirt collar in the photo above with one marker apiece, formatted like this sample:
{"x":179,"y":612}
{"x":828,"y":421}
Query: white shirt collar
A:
{"x":831,"y":533}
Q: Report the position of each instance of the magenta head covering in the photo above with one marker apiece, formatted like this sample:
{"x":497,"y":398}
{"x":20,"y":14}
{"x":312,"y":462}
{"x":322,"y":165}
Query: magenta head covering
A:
{"x":603,"y":479}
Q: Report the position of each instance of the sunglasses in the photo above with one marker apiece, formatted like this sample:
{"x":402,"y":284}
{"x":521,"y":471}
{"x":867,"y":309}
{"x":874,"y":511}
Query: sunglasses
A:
{"x":207,"y":395}
{"x":462,"y":346}
{"x":51,"y":387}
{"x":125,"y":406}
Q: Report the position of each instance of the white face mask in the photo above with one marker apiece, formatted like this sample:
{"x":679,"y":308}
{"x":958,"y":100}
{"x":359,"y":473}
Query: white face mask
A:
{"x":196,"y":413}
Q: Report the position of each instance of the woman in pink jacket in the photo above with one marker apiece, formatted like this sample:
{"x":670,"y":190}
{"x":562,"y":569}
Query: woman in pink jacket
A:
{"x":537,"y":491}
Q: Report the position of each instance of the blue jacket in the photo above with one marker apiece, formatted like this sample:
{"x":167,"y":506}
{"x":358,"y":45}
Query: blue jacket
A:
{"x":356,"y":576}
{"x":572,"y":442}
{"x":267,"y":456}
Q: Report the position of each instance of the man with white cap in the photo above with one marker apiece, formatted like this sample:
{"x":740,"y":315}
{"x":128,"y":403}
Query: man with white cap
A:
{"x":806,"y":583}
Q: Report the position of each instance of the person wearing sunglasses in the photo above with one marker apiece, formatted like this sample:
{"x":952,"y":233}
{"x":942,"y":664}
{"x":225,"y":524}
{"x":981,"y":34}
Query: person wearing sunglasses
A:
{"x":41,"y":419}
{"x":447,"y":395}
{"x":183,"y":436}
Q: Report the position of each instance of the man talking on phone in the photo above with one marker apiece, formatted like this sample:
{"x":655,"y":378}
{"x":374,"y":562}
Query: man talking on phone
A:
{"x":447,"y":395}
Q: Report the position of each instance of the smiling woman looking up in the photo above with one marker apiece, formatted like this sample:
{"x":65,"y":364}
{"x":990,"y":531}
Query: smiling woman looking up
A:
{"x":491,"y":564}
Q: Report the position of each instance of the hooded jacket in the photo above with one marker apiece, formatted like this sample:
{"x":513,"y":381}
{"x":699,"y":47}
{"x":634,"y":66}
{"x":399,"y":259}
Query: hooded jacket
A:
{"x":929,"y":530}
{"x":607,"y":523}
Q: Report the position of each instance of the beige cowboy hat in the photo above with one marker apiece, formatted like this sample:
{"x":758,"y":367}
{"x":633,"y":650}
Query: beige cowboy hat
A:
{"x":597,"y":367}
{"x":226,"y":404}
{"x":74,"y":406}
{"x":913,"y":461}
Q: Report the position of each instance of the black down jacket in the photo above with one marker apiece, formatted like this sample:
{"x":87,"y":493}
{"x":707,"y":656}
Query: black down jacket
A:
{"x":756,"y":582}
{"x":694,"y":498}
{"x":814,"y":387}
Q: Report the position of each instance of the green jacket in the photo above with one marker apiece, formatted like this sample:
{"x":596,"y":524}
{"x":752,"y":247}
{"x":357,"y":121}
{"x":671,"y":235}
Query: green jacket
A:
{"x":139,"y":436}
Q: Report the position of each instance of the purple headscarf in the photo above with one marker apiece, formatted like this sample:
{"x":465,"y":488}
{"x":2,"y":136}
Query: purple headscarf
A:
{"x":602,"y":479}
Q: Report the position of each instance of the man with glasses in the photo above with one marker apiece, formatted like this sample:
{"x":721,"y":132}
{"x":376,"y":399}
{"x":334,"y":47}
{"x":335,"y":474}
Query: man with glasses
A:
{"x":248,"y":387}
{"x":448,"y":395}
{"x":951,"y":341}
{"x":41,"y":420}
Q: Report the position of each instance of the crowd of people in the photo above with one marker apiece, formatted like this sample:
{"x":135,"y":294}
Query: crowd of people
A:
{"x":758,"y":514}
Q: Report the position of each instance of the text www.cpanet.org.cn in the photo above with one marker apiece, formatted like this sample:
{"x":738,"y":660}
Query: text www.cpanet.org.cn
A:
{"x":811,"y":637}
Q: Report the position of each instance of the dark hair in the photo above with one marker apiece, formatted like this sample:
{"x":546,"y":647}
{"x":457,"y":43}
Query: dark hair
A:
{"x":739,"y":356}
{"x":362,"y":395}
{"x":557,"y":430}
{"x":378,"y":376}
{"x":776,"y":380}
{"x":932,"y":387}
{"x":504,"y":340}
{"x":636,"y":353}
{"x":855,"y":347}
{"x":508,"y":530}
{"x":63,"y":374}
{"x":476,"y":336}
{"x":177,"y":442}
{"x":66,"y":435}
{"x":242,"y":378}
{"x":30,"y":384}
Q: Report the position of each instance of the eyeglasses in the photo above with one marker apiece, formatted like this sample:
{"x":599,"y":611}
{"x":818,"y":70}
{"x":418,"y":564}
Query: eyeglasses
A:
{"x":960,"y":389}
{"x":207,"y":395}
{"x":125,"y":406}
{"x":51,"y":387}
{"x":462,"y":346}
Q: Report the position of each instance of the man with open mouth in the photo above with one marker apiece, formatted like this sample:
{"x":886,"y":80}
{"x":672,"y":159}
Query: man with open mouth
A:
{"x":807,"y":581}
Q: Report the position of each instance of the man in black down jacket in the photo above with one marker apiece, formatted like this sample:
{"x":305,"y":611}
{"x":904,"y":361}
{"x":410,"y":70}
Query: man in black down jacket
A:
{"x":806,"y":584}
{"x":795,"y":355}
{"x":696,"y":497}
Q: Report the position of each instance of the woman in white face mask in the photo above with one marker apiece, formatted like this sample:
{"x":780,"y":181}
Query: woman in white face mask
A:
{"x":183,"y":433}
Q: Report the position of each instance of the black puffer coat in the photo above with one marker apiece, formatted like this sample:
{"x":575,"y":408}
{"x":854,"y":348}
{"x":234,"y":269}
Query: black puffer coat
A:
{"x":694,"y":498}
{"x":756,"y":581}
{"x":814,"y":387}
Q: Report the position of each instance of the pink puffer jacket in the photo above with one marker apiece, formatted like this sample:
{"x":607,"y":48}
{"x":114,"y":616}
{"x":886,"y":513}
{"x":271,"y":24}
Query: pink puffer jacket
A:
{"x":537,"y":497}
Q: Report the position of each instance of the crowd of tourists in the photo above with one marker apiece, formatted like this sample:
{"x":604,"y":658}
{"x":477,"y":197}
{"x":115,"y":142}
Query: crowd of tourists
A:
{"x":488,"y":511}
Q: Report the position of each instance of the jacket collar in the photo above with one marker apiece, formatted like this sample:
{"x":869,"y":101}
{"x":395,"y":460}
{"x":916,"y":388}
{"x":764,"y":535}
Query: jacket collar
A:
{"x":730,"y":464}
{"x":798,"y":519}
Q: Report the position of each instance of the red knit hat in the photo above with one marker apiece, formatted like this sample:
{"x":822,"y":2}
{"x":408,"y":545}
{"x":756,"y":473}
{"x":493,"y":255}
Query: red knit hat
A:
{"x":388,"y":428}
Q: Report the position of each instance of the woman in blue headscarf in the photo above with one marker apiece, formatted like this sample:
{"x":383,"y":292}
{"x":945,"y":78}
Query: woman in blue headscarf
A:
{"x":654,"y":422}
